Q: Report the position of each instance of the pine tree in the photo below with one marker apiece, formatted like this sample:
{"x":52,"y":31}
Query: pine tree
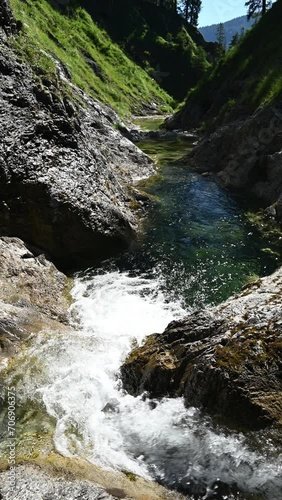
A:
{"x":190,"y":10}
{"x":237,"y":37}
{"x":257,"y":7}
{"x":234,"y":40}
{"x":221,"y":36}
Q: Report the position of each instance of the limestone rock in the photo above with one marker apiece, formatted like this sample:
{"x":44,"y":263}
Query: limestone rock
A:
{"x":33,"y":295}
{"x":57,"y":477}
{"x":64,"y":168}
{"x":227,"y":359}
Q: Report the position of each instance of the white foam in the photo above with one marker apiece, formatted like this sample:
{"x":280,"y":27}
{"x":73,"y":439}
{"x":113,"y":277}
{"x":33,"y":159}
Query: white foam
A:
{"x":98,"y":421}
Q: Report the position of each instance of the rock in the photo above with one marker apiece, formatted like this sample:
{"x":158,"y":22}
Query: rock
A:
{"x":34,"y":295}
{"x":64,"y":168}
{"x":112,"y":406}
{"x":246,"y":155}
{"x":28,"y":277}
{"x":31,"y":484}
{"x":7,"y":20}
{"x":61,"y":478}
{"x":136,"y":135}
{"x":270,"y":212}
{"x":226,"y":359}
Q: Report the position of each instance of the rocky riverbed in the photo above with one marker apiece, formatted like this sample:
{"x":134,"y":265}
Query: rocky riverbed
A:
{"x":34,"y":302}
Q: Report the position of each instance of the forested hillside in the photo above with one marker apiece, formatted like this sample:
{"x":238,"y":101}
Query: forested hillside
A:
{"x":231,"y":28}
{"x":249,"y":76}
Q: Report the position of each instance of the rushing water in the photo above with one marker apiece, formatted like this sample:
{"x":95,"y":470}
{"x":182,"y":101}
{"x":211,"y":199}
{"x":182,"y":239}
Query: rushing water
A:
{"x":196,"y":248}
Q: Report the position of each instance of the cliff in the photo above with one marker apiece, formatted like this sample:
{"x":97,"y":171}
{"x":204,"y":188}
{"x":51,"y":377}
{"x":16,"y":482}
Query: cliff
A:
{"x":65,"y":169}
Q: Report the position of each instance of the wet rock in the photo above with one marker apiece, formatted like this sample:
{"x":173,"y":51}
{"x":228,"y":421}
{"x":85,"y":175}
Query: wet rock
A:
{"x":226,"y":359}
{"x":112,"y":406}
{"x":63,"y":182}
{"x":34,"y":295}
{"x":73,"y":479}
{"x":135,"y":134}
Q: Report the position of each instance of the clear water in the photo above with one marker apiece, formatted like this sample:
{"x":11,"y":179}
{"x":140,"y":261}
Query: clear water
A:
{"x":196,"y":237}
{"x":195,"y":248}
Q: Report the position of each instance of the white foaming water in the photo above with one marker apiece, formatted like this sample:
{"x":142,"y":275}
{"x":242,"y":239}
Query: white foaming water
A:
{"x":114,"y":311}
{"x":98,"y":421}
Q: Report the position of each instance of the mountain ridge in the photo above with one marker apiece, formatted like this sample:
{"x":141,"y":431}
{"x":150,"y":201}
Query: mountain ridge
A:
{"x":231,"y":27}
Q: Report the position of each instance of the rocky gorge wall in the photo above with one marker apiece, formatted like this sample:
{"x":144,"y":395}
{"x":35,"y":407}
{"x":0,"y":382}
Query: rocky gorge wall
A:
{"x":245,"y":155}
{"x":65,"y":169}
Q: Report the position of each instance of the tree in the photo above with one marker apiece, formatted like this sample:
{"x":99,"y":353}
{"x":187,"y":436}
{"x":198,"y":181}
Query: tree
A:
{"x":234,"y":40}
{"x":190,"y":10}
{"x":257,"y":7}
{"x":237,"y":38}
{"x":221,"y":37}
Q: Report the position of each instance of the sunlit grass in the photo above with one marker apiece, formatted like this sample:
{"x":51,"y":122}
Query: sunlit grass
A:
{"x":73,"y":37}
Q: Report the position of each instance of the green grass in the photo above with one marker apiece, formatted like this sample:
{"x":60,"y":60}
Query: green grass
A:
{"x":159,"y":40}
{"x":73,"y":37}
{"x":250,"y":75}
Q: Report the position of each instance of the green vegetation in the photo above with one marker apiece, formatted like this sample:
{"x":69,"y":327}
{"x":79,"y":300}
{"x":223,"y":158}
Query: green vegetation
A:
{"x":149,"y":122}
{"x":254,"y":349}
{"x":171,"y":50}
{"x":270,"y":231}
{"x":249,"y":75}
{"x":95,"y":62}
{"x":130,"y":475}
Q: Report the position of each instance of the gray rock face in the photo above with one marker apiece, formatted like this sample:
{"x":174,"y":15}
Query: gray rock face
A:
{"x":227,"y":359}
{"x":64,"y":168}
{"x":33,"y":484}
{"x":33,"y":295}
{"x":7,"y":20}
{"x":246,"y":155}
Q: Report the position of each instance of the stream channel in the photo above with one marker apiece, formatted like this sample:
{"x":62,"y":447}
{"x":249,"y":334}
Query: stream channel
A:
{"x":196,"y":248}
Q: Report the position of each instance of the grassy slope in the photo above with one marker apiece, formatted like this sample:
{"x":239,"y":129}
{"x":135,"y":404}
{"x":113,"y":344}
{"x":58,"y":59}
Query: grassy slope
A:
{"x":249,"y":76}
{"x":71,"y":35}
{"x":158,"y":39}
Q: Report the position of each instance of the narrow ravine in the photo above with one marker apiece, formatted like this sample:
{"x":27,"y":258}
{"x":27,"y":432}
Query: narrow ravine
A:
{"x":196,"y":248}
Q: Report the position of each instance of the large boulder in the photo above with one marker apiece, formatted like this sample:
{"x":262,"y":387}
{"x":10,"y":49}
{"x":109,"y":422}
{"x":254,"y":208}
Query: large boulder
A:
{"x":226,"y":359}
{"x":64,"y":166}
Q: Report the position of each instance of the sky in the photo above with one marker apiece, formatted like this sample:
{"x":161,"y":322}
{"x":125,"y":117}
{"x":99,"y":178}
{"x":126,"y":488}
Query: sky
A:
{"x":216,"y":11}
